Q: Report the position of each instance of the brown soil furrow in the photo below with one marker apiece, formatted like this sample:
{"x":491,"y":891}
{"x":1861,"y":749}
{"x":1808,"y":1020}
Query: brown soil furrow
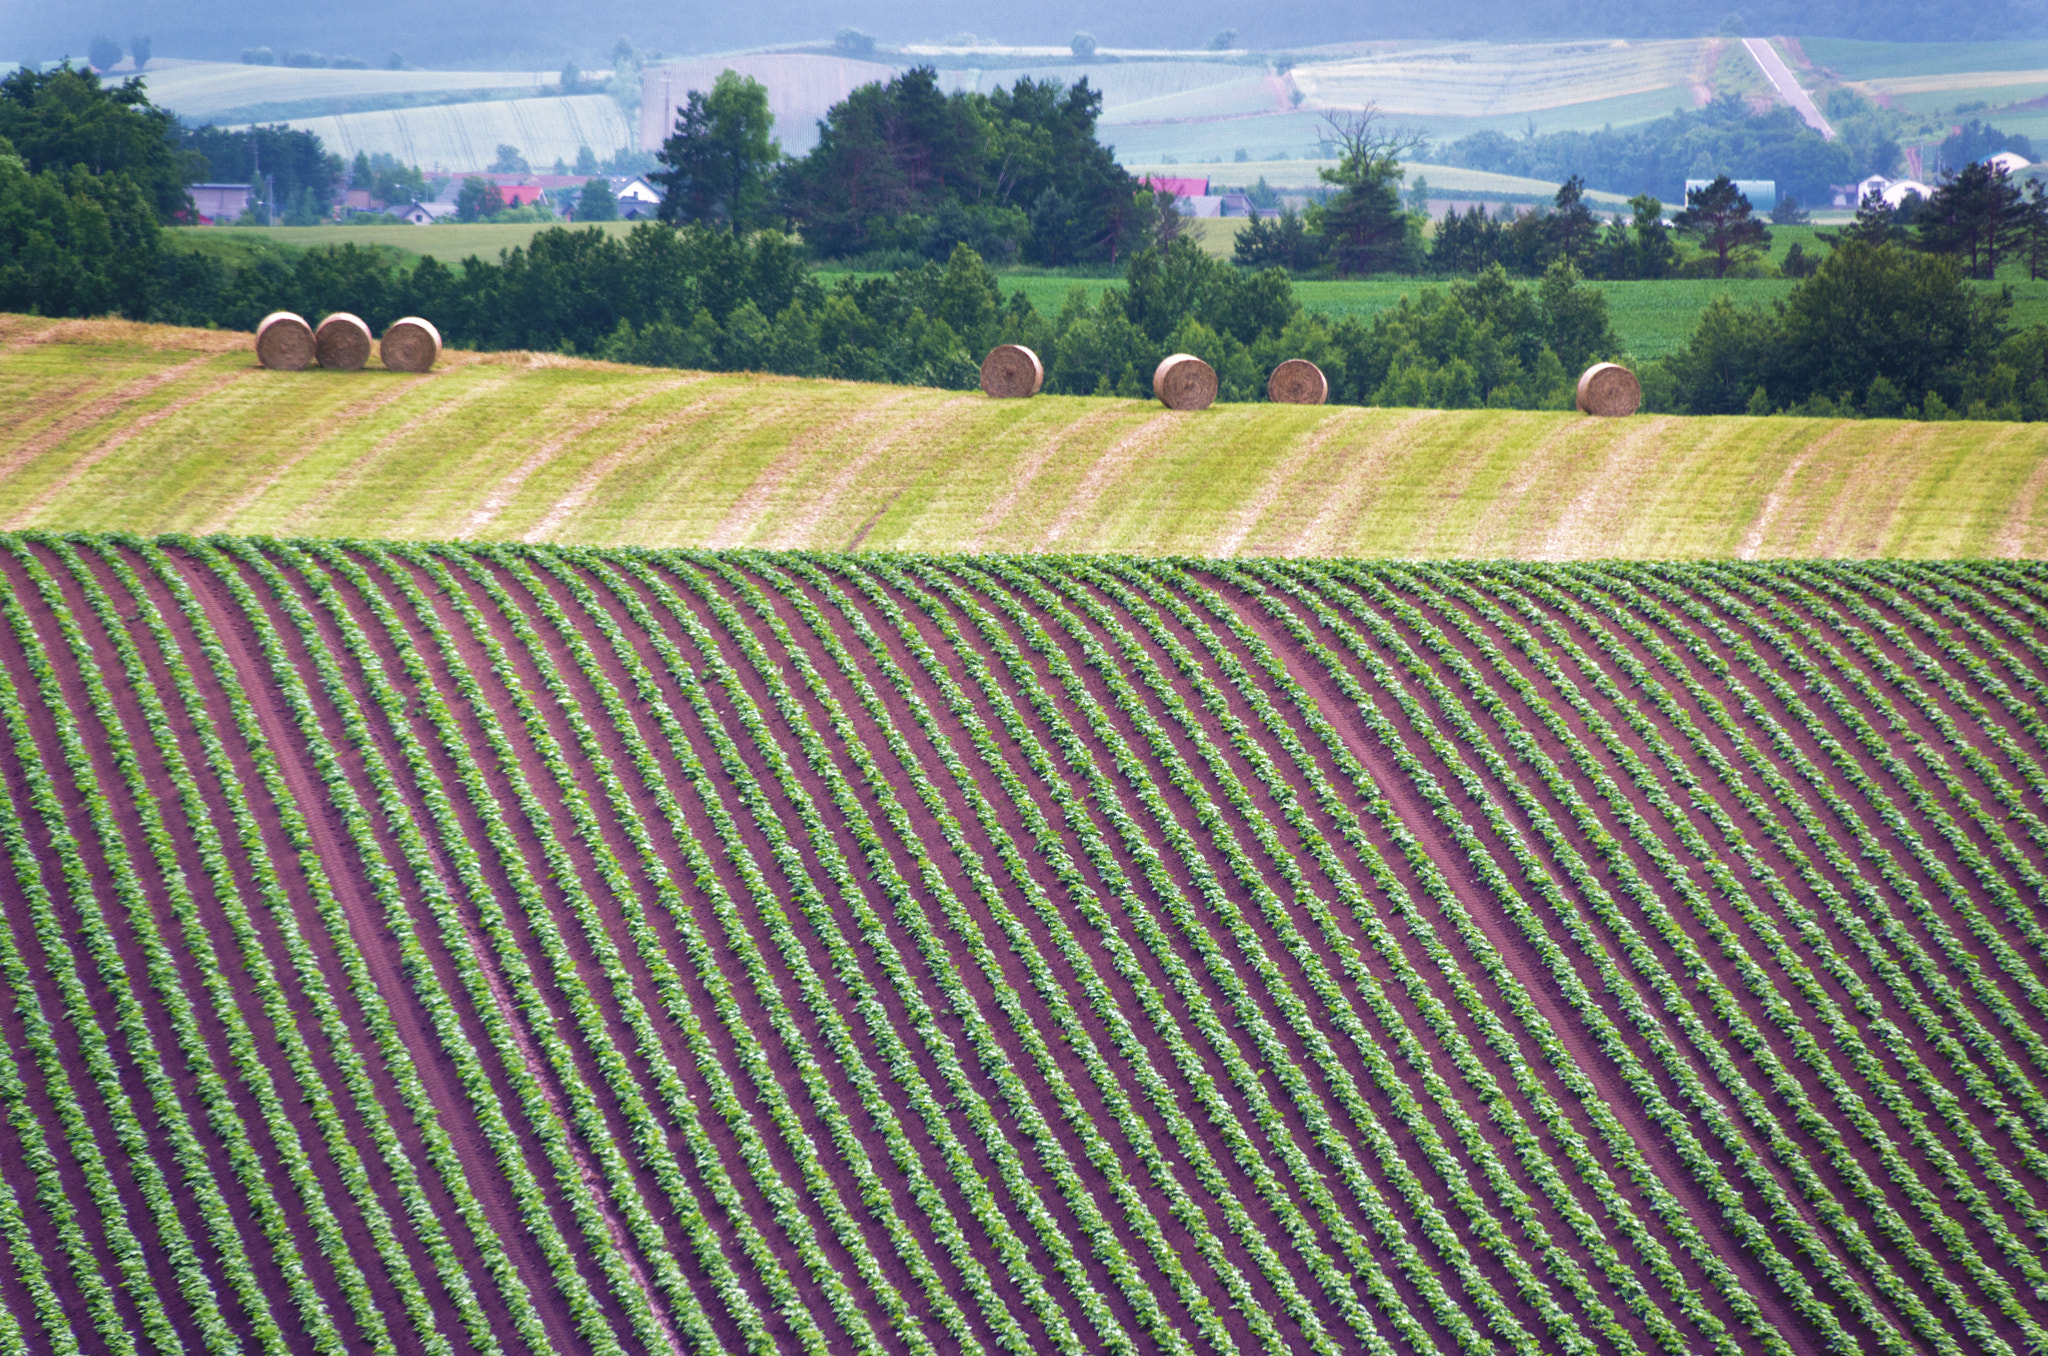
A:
{"x":479,"y":1162}
{"x":734,"y":790}
{"x":813,"y":786}
{"x":104,"y":746}
{"x":1180,"y":951}
{"x":1865,"y":1154}
{"x":284,"y":856}
{"x":1654,"y":1144}
{"x":1071,"y":1067}
{"x":1322,"y":949}
{"x":563,"y":838}
{"x":226,"y":946}
{"x":516,"y":1023}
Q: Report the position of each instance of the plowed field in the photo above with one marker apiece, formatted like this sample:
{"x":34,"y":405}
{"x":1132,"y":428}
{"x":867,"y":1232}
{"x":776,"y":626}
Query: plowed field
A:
{"x":535,"y":950}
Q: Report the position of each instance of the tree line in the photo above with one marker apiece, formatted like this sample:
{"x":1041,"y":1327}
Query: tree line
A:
{"x":82,"y":207}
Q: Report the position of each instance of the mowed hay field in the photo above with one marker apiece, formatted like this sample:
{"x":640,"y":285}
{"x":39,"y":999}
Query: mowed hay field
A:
{"x":120,"y":427}
{"x":538,"y":950}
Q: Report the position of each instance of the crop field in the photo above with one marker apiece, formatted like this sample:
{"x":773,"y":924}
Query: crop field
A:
{"x":508,"y":949}
{"x":1473,"y":79}
{"x":148,"y":429}
{"x":448,"y":241}
{"x":201,"y":91}
{"x":465,"y":136}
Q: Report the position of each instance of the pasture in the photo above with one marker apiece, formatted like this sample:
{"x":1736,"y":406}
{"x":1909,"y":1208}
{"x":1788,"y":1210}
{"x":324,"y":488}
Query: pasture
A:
{"x":145,"y":429}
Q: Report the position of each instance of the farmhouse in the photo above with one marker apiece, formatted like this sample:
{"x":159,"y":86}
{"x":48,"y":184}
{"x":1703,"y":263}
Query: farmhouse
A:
{"x":424,"y":213}
{"x":638,"y":199}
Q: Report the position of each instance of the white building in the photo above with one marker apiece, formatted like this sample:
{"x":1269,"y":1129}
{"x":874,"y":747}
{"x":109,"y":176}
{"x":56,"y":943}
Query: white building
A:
{"x":219,"y":202}
{"x":638,"y":199}
{"x":1895,"y":193}
{"x":2012,"y":162}
{"x":424,"y":213}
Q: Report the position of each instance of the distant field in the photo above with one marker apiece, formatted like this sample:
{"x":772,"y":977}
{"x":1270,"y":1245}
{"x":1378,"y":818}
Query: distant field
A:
{"x":1480,"y":79}
{"x":1448,"y":181}
{"x":199,"y":91}
{"x":448,"y":243}
{"x":456,"y":137}
{"x":1855,"y":60}
{"x":138,"y":428}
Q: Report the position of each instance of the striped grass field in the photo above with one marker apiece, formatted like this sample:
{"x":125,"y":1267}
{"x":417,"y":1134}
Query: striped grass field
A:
{"x":119,"y":427}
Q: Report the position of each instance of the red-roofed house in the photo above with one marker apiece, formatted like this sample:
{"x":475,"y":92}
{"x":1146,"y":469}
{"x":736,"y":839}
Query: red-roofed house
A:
{"x":520,"y":195}
{"x":1179,"y":188}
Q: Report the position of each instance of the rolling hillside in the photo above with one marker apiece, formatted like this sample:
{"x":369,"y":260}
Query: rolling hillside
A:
{"x":138,"y":428}
{"x":532,"y":951}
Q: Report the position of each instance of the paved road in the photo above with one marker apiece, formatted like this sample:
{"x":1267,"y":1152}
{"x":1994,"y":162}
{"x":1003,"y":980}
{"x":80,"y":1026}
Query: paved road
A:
{"x":1782,"y":79}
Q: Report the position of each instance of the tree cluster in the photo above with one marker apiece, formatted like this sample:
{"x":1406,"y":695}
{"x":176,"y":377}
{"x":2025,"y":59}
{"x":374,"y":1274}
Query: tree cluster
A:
{"x":1722,"y":138}
{"x":902,"y":167}
{"x":306,"y":176}
{"x":1838,"y":345}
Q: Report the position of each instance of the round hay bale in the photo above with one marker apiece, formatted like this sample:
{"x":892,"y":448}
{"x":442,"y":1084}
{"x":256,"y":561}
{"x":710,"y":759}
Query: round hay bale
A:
{"x":1297,"y":382}
{"x":1011,"y":371}
{"x":1184,"y":382}
{"x":342,"y":342}
{"x":284,"y":341}
{"x":1610,"y":391}
{"x":410,"y":345}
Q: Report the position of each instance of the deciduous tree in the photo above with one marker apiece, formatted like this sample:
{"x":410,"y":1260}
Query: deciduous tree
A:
{"x":720,"y":156}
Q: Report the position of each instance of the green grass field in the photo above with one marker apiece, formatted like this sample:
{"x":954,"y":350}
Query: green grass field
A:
{"x":449,"y":243}
{"x":139,"y":428}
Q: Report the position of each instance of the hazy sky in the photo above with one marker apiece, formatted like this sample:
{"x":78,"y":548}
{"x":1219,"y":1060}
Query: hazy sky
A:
{"x":542,"y":32}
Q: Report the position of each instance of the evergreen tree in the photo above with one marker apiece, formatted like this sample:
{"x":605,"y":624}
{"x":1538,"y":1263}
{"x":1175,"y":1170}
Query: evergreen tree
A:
{"x":1719,"y":218}
{"x":596,"y":203}
{"x":1974,"y":214}
{"x":1571,"y":227}
{"x":1366,"y":229}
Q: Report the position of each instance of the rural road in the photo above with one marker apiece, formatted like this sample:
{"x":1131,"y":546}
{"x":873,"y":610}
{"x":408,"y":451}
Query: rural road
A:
{"x":1782,"y":79}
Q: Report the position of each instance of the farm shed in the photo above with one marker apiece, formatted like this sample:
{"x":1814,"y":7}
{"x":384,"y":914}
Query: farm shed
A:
{"x":219,"y":202}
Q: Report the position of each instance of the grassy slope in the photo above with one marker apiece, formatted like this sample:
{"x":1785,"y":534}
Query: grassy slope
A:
{"x":142,"y":429}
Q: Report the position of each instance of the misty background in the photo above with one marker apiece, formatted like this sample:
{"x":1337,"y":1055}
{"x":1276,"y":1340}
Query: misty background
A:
{"x":539,"y":34}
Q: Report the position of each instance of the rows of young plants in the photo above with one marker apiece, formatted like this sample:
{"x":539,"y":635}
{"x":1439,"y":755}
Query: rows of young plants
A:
{"x":516,"y":949}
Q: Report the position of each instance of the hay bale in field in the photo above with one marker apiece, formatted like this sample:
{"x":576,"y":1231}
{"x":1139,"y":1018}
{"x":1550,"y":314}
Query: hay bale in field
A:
{"x":1610,"y":391}
{"x":1184,"y":382}
{"x":1297,"y":382}
{"x":410,"y":345}
{"x":342,"y":342}
{"x":1011,"y":371}
{"x":284,"y":341}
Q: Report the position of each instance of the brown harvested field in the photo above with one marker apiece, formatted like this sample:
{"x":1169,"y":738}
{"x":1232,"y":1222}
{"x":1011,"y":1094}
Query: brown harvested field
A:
{"x":419,"y":948}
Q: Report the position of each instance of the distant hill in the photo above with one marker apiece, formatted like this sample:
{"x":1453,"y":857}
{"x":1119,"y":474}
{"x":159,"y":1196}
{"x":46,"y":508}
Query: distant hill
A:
{"x":523,"y":32}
